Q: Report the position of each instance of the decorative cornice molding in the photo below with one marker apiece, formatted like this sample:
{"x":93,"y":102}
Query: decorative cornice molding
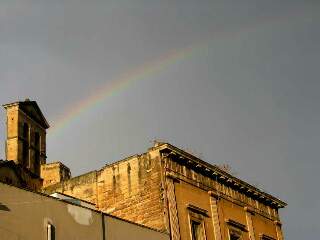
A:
{"x":172,"y":176}
{"x":214,"y":195}
{"x":278,"y":223}
{"x":214,"y":172}
{"x":249,"y":209}
{"x":221,"y":195}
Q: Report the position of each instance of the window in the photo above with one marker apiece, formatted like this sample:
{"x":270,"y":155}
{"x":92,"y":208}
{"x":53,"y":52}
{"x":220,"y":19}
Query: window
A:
{"x":37,"y":153}
{"x":51,"y":232}
{"x":25,"y":153}
{"x":197,"y":223}
{"x":234,"y":235}
{"x":235,"y":229}
{"x":195,"y":230}
{"x":37,"y":140}
{"x":25,"y":132}
{"x":36,"y":162}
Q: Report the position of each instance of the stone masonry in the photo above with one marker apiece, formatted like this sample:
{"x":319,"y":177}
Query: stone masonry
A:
{"x":129,"y":189}
{"x":53,"y":173}
{"x":166,"y":186}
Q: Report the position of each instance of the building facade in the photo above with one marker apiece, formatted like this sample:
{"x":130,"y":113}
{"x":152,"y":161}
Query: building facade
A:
{"x":171,"y":190}
{"x":28,"y":215}
{"x":164,"y":188}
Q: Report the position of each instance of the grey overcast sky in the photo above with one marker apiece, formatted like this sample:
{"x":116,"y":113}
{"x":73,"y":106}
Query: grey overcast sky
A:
{"x":244,"y":89}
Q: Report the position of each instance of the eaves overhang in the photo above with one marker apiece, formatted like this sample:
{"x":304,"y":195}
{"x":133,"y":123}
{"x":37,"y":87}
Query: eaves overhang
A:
{"x":215,"y":172}
{"x":41,"y":120}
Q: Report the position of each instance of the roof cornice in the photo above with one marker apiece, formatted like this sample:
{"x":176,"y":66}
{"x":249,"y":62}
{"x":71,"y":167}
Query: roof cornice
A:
{"x":44,"y":122}
{"x":215,"y":171}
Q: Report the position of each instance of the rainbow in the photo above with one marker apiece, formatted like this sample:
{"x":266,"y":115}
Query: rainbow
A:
{"x":114,"y":86}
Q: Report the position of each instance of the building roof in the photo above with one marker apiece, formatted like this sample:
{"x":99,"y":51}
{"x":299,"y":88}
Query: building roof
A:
{"x":31,"y":109}
{"x":58,"y":163}
{"x":207,"y":169}
{"x":69,"y":198}
{"x":215,"y":171}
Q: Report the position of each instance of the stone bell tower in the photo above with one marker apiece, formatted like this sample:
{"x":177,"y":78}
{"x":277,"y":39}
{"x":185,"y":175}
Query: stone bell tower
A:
{"x":26,"y":135}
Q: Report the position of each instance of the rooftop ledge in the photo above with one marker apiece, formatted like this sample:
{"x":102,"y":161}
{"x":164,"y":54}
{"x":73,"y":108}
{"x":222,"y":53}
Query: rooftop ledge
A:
{"x":215,"y":171}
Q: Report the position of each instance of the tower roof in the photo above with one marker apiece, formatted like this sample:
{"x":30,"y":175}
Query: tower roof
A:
{"x":31,"y":109}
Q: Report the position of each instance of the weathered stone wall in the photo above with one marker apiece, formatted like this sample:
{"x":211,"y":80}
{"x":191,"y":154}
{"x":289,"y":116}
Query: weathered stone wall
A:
{"x":36,"y":155}
{"x":34,"y":163}
{"x":50,"y":174}
{"x":9,"y":176}
{"x":132,"y":189}
{"x":164,"y":191}
{"x":82,"y":187}
{"x":12,"y":134}
{"x":15,"y":175}
{"x":53,"y":173}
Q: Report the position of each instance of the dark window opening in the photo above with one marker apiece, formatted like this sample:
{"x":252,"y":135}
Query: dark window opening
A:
{"x":196,"y":230}
{"x":37,"y":140}
{"x":37,"y":162}
{"x":234,"y":237}
{"x":37,"y":153}
{"x":25,"y":144}
{"x":25,"y":132}
{"x":25,"y":152}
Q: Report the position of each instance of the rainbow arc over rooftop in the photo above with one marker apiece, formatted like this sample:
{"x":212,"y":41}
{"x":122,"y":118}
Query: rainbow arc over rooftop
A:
{"x":114,"y":86}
